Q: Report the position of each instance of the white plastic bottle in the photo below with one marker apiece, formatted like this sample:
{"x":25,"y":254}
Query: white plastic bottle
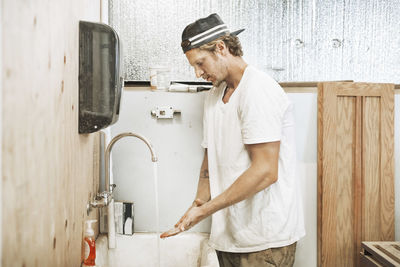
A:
{"x":90,"y":245}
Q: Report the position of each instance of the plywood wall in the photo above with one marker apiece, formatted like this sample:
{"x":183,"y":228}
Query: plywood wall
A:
{"x":49,"y":171}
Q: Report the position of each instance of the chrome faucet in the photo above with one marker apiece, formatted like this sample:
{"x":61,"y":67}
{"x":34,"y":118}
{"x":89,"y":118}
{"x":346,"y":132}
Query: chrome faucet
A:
{"x":104,"y":198}
{"x":111,"y":187}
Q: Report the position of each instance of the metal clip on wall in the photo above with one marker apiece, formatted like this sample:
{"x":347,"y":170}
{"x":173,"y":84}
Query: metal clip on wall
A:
{"x":164,"y":112}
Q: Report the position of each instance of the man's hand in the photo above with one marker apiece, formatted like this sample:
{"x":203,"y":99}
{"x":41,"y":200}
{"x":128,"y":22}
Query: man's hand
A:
{"x":191,"y":217}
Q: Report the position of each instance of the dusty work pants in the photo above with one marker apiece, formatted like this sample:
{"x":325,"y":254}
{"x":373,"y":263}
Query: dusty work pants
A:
{"x":272,"y":257}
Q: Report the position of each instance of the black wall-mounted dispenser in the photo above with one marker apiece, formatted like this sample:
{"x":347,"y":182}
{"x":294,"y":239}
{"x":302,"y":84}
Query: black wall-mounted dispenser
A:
{"x":100,"y":76}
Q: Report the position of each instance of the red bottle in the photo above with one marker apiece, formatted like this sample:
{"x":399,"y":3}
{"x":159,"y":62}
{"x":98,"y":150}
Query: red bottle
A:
{"x":90,"y":245}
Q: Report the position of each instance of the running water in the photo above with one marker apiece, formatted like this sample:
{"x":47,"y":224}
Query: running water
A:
{"x":157,"y":212}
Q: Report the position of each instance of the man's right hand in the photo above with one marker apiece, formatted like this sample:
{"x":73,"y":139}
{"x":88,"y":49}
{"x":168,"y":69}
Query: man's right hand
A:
{"x":178,"y":227}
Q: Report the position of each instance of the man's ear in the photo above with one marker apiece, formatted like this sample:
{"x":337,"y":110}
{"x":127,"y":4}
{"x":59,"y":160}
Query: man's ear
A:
{"x":221,"y":48}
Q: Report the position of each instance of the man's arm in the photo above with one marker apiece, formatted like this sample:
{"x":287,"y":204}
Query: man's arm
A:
{"x":203,"y":187}
{"x":262,"y":172}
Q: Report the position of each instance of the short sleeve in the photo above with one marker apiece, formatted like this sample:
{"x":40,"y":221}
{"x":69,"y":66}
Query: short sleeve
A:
{"x":261,"y":112}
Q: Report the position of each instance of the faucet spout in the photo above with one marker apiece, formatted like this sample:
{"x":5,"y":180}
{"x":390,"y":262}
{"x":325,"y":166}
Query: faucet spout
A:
{"x":109,"y":188}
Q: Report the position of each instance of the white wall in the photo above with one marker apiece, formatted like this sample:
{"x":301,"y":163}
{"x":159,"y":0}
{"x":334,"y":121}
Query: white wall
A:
{"x":177,"y":143}
{"x":305,"y":112}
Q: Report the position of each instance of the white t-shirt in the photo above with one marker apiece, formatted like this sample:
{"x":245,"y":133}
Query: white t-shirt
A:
{"x":258,"y":111}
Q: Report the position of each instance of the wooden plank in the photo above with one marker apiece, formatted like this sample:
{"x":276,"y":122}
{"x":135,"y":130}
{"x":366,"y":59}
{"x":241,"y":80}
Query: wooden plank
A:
{"x":320,"y":149}
{"x":383,"y":252}
{"x":300,"y":89}
{"x":362,"y":89}
{"x":368,"y":261}
{"x":357,"y":182}
{"x":328,"y":196}
{"x":345,"y":134}
{"x":48,"y":169}
{"x":307,"y":84}
{"x":390,"y":251}
{"x":371,"y":171}
{"x":387,"y":164}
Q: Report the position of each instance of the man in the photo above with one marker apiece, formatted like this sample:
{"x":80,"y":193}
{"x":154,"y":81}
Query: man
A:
{"x":247,"y":180}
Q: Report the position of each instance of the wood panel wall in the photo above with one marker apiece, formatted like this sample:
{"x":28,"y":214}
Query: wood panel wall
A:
{"x":49,"y":170}
{"x":355,"y":169}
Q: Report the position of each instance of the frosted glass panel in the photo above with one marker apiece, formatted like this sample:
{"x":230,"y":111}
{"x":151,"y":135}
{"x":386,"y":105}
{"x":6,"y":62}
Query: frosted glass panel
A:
{"x":292,"y":40}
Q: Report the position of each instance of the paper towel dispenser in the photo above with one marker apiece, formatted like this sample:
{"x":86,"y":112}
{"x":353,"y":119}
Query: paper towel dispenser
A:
{"x":100,"y":76}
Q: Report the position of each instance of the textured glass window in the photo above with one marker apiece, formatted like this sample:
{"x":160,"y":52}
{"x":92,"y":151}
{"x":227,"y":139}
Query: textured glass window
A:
{"x":299,"y":40}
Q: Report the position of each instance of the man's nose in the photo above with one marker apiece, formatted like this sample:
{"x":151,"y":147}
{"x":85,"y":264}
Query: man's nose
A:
{"x":198,"y":72}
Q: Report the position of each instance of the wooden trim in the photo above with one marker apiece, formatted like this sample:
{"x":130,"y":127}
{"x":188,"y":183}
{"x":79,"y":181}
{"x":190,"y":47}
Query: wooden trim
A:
{"x":291,"y":89}
{"x":358,"y":182}
{"x":137,"y":88}
{"x":301,"y":89}
{"x":311,"y":87}
{"x":363,"y":89}
{"x":307,"y":84}
{"x":387,"y":165}
{"x":327,"y":174}
{"x":320,"y":132}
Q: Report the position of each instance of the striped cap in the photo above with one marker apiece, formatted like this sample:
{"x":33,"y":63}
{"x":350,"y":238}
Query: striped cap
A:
{"x":203,"y":31}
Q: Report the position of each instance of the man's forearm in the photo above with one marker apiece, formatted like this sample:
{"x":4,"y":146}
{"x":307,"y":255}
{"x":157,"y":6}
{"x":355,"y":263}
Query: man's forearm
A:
{"x":203,"y":187}
{"x":262,"y":172}
{"x":248,"y":184}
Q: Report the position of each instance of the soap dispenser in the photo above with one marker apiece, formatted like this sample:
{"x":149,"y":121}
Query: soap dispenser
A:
{"x":90,"y":245}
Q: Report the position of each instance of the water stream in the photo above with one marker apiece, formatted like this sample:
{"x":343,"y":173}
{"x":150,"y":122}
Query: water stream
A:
{"x":155,"y":173}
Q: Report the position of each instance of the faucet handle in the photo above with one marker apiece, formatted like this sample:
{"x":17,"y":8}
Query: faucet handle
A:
{"x":102,"y":195}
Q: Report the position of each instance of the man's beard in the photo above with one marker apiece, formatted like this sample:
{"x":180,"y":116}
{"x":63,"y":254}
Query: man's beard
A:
{"x":217,"y":83}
